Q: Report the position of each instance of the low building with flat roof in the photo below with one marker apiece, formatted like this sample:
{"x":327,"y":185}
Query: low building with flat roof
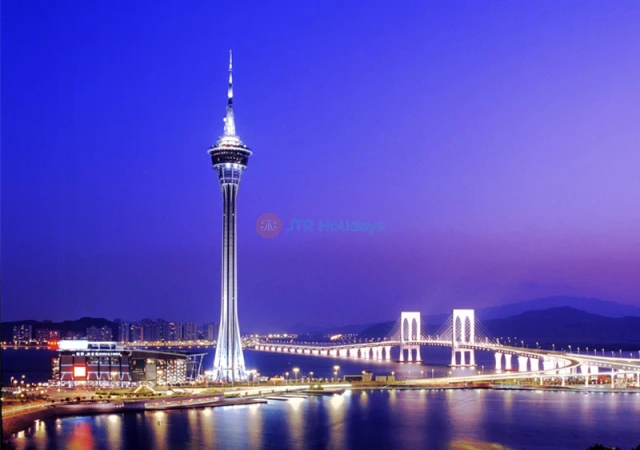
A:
{"x":92,"y":363}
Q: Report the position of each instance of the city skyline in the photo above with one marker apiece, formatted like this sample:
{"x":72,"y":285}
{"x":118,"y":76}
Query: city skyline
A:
{"x":502,"y":169}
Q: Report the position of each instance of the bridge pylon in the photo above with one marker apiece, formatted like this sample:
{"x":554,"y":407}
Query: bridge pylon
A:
{"x":463,"y":332}
{"x":410,"y":335}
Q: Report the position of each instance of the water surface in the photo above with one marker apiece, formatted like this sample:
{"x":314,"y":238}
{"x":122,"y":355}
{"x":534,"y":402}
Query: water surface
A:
{"x":372,"y":419}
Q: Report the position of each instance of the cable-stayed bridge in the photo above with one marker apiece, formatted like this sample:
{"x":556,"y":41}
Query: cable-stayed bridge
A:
{"x":465,"y":335}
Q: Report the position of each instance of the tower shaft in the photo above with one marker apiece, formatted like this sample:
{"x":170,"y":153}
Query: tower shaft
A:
{"x":229,"y":359}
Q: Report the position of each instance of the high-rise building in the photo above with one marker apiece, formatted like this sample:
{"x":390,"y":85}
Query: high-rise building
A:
{"x":47,"y":335}
{"x":175,"y":331}
{"x":162,"y":330}
{"x":124,"y":331}
{"x":135,"y":332}
{"x":190,"y":332}
{"x":229,"y":157}
{"x":74,"y":335}
{"x":22,"y":333}
{"x":211,"y":331}
{"x":104,"y":333}
{"x":149,"y":331}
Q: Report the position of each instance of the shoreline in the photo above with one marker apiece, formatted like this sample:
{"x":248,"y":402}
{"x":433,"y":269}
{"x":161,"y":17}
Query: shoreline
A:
{"x":14,"y":424}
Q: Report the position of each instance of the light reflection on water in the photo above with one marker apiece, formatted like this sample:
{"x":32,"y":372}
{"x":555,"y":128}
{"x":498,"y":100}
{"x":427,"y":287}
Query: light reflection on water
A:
{"x":337,"y":412}
{"x":159,"y":428}
{"x":459,"y":419}
{"x":295,"y":416}
{"x":254,"y":427}
{"x":114,"y":429}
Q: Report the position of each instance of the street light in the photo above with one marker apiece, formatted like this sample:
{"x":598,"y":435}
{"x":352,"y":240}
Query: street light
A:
{"x":287,"y":377}
{"x":336,"y":369}
{"x":295,"y":372}
{"x":310,"y":376}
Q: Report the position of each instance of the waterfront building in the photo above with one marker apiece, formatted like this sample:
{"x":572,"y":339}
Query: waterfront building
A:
{"x":92,"y":363}
{"x":229,"y":157}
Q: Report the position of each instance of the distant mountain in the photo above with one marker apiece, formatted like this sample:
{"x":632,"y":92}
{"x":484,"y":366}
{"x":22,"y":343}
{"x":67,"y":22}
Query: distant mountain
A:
{"x":303,"y":328}
{"x":378,"y":330}
{"x":589,"y":305}
{"x":566,"y":325}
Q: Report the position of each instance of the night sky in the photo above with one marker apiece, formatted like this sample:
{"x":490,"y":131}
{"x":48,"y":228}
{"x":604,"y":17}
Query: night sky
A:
{"x":498,"y":144}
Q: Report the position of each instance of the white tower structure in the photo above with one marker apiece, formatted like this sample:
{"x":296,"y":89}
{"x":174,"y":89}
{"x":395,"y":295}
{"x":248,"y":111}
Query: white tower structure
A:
{"x":463,"y":332}
{"x":229,"y":157}
{"x":410,"y":335}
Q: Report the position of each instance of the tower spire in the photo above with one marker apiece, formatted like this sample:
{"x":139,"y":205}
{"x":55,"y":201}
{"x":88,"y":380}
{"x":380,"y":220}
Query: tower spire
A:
{"x":229,"y":122}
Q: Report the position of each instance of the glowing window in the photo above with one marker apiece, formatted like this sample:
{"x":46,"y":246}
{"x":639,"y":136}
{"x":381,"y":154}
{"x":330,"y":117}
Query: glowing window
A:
{"x":79,"y":371}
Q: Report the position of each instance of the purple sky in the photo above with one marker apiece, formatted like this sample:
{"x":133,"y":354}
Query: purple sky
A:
{"x":498,"y":143}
